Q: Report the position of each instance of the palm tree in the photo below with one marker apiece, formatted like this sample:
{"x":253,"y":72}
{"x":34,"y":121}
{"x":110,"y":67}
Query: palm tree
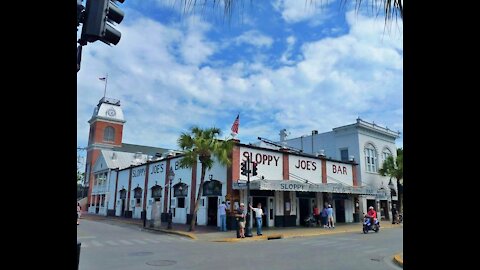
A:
{"x":202,"y":144}
{"x":390,"y":7}
{"x":394,"y":168}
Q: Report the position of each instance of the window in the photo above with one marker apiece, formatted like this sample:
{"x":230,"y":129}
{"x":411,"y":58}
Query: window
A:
{"x":386,"y":153}
{"x":180,"y":202}
{"x":109,"y":134}
{"x":344,"y":155}
{"x":370,"y":158}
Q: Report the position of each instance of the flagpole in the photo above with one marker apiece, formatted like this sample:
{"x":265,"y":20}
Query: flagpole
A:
{"x":105,"y":91}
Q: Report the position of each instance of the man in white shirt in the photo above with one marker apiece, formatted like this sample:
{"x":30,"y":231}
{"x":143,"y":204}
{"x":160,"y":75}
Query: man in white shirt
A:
{"x":258,"y":216}
{"x":223,"y":216}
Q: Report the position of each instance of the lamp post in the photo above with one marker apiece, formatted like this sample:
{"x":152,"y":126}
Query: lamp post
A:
{"x":171,"y":175}
{"x":392,"y":188}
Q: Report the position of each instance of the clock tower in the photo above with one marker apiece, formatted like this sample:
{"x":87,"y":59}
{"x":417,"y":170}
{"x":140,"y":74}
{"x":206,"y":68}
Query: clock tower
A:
{"x":106,"y":128}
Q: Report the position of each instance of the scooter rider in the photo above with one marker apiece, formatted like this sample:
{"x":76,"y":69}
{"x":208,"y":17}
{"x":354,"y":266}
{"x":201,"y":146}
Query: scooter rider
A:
{"x":372,"y":214}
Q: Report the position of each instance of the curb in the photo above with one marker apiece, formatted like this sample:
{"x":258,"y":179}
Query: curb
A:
{"x":290,"y":235}
{"x":186,"y":234}
{"x":398,"y":259}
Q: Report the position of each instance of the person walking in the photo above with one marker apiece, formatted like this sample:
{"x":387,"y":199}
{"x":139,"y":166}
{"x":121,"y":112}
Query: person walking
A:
{"x":258,"y":217}
{"x":331,"y":224}
{"x":316,"y":215}
{"x":394,"y":215}
{"x":79,"y":212}
{"x":324,"y":215}
{"x":222,"y":211}
{"x":240,"y":215}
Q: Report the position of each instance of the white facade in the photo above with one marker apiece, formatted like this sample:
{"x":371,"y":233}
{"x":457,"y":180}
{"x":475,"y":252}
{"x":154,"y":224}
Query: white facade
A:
{"x":156,"y":176}
{"x":217,"y":172}
{"x":183,"y":175}
{"x":123,"y":177}
{"x":138,"y":182}
{"x":354,"y":141}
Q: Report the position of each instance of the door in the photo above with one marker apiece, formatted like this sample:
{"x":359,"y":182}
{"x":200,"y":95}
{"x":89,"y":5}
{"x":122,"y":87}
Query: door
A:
{"x":339,"y":211}
{"x":202,"y":213}
{"x":263,"y":201}
{"x":122,"y":213}
{"x":304,"y":207}
{"x":212,"y":207}
{"x":270,"y":212}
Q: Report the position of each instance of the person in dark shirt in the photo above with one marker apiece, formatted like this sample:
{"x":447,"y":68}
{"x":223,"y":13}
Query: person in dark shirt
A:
{"x":240,"y":215}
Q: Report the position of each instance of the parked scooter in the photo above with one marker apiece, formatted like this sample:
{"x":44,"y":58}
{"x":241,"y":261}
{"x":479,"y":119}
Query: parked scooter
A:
{"x":368,"y":226}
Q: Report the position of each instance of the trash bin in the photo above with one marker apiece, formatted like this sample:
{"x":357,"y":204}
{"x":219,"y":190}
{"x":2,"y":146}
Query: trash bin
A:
{"x":356,"y":217}
{"x":78,"y":253}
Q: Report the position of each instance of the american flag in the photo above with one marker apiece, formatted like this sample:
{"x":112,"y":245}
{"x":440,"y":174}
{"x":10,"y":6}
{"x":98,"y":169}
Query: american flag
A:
{"x":235,"y":125}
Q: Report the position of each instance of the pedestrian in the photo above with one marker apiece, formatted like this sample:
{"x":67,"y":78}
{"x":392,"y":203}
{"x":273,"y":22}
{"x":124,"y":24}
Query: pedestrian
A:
{"x":79,"y":212}
{"x":222,"y":211}
{"x":258,"y":216}
{"x":324,"y":215}
{"x":331,"y":224}
{"x":240,"y":215}
{"x":316,"y":215}
{"x":394,"y":215}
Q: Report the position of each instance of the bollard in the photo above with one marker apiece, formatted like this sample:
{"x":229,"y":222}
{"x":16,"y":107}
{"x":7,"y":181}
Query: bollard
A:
{"x":78,"y":253}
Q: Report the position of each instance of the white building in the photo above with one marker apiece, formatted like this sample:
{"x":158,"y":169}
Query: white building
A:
{"x":365,"y":143}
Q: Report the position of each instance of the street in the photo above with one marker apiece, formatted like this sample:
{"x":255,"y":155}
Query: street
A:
{"x":108,"y":246}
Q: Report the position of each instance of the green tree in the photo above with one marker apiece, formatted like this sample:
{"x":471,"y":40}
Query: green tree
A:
{"x":203,"y":145}
{"x":393,"y":167}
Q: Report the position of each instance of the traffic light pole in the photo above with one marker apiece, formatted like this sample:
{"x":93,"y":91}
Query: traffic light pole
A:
{"x":248,"y":232}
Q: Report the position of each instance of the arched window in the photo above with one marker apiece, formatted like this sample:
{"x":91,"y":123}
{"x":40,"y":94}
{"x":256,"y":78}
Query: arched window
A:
{"x":109,"y":134}
{"x":370,"y":158}
{"x":385,"y":154}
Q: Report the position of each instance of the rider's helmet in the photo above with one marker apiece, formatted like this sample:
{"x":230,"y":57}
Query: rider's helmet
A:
{"x":371,"y":207}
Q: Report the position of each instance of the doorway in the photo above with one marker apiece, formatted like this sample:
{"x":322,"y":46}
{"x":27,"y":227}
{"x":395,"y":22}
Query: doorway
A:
{"x":304,"y":209}
{"x":340,"y":211}
{"x":212,"y":211}
{"x":122,"y":213}
{"x":263,"y":201}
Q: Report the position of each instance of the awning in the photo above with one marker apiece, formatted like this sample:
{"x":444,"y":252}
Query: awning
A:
{"x":293,"y":185}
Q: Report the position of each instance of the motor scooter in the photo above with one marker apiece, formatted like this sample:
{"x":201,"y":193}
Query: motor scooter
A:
{"x":368,"y":226}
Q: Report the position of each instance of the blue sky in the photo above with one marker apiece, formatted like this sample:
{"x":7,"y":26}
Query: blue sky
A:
{"x":280,"y":64}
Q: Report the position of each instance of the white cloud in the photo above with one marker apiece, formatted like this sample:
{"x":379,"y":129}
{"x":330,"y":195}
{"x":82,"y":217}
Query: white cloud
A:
{"x":166,"y":85}
{"x":294,"y":11}
{"x":255,"y":38}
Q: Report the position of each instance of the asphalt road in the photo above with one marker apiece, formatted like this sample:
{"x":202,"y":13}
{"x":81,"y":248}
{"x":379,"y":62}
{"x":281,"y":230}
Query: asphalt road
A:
{"x":111,"y":246}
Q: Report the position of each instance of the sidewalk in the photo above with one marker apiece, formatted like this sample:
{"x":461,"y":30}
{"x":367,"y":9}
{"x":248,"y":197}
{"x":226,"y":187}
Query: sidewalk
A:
{"x":211,"y":234}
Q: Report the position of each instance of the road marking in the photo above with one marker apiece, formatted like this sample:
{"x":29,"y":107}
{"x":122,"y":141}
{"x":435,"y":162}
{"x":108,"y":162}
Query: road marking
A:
{"x":96,"y":243}
{"x":377,"y":250}
{"x":111,"y":243}
{"x":138,"y":241}
{"x":322,"y":243}
{"x":125,"y":242}
{"x":151,"y":240}
{"x":85,"y":237}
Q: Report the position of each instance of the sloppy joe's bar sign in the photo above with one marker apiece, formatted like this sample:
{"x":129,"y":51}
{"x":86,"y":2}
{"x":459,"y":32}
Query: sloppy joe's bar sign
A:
{"x":339,"y":173}
{"x":269,"y":164}
{"x":306,"y":168}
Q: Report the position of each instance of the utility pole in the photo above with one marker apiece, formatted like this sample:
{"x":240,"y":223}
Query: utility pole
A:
{"x":248,"y":232}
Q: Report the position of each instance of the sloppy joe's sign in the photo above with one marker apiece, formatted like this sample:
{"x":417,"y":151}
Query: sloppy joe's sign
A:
{"x":306,"y":168}
{"x":269,"y":164}
{"x":339,"y":173}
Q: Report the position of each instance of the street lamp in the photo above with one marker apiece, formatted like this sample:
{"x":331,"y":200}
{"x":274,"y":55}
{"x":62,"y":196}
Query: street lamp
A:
{"x":171,"y":175}
{"x":392,"y":188}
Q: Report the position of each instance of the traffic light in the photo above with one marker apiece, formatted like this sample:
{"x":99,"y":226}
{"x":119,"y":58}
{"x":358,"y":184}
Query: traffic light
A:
{"x":80,"y":12}
{"x":254,"y":169}
{"x":100,"y":17}
{"x":244,"y":168}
